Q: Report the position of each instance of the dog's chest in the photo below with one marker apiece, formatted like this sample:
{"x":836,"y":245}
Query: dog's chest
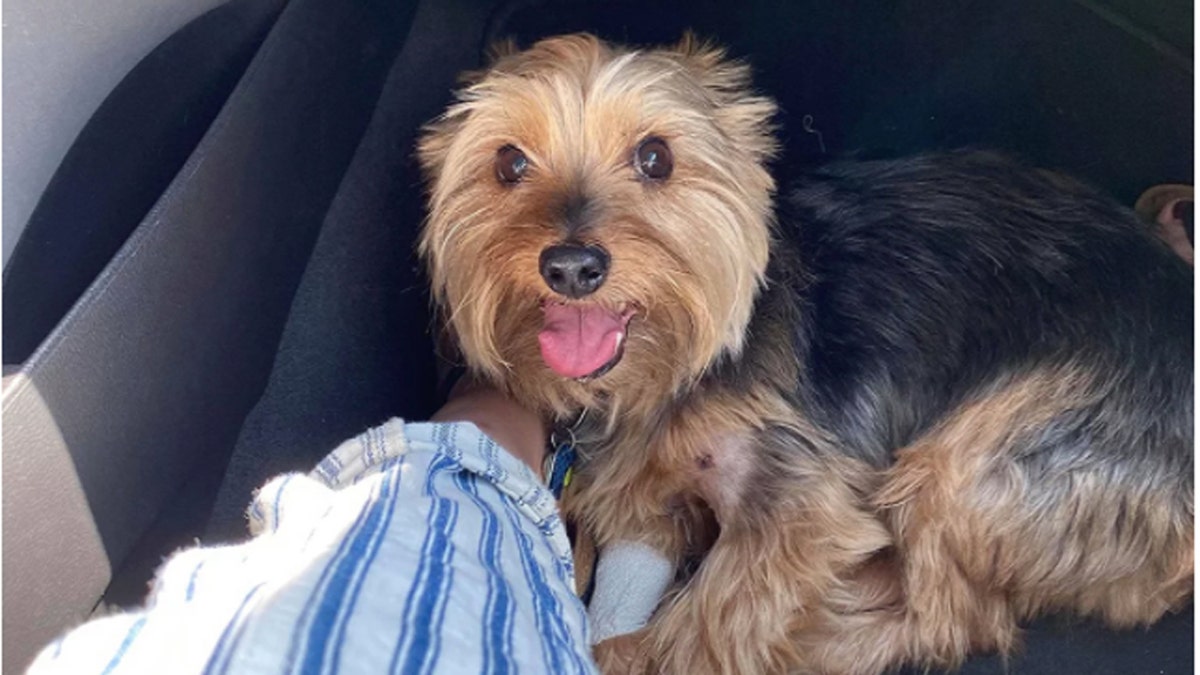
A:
{"x":684,"y":463}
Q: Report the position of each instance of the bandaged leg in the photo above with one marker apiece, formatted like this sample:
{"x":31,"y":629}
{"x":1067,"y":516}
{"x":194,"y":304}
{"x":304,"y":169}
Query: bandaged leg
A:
{"x":631,"y":579}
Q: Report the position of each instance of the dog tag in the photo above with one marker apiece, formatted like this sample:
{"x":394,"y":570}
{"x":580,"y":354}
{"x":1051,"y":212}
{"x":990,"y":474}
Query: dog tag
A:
{"x":558,"y":468}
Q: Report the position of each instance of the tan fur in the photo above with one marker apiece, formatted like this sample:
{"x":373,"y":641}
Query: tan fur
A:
{"x":977,"y":554}
{"x":691,"y":256}
{"x":777,"y":554}
{"x":585,"y":554}
{"x":663,"y":466}
{"x":812,"y":561}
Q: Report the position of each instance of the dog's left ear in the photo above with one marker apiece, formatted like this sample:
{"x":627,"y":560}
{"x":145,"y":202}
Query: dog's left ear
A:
{"x":747,"y":117}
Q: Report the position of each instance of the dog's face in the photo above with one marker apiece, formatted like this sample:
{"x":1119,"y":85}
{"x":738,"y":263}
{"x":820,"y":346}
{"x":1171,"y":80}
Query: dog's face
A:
{"x":599,"y":218}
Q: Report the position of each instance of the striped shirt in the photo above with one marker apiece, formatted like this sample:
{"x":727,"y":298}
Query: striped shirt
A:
{"x":418,"y":548}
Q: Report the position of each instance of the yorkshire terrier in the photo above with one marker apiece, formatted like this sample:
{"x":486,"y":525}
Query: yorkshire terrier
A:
{"x":893,"y":413}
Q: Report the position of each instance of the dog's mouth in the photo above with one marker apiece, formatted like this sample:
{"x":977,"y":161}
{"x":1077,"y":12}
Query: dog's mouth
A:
{"x":582,"y":341}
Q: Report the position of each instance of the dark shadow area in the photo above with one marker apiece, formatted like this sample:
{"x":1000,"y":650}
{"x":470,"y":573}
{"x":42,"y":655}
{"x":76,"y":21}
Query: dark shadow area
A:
{"x":1054,"y":82}
{"x":1065,"y":646}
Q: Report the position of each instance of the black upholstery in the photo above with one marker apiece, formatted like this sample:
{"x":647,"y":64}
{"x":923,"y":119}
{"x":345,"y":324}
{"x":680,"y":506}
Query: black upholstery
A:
{"x":356,"y":349}
{"x":1053,"y":81}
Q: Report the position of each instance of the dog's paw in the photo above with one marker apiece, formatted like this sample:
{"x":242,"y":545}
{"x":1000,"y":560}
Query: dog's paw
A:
{"x":623,"y":655}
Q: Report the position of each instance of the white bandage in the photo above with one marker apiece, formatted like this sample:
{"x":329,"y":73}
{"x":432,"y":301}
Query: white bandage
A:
{"x":630,"y":581}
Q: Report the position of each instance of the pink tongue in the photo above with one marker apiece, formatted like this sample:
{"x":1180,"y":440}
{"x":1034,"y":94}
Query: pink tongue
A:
{"x":579,"y":340}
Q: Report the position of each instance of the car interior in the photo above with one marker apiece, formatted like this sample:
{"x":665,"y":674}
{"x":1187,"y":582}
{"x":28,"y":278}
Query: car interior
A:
{"x":210,"y":209}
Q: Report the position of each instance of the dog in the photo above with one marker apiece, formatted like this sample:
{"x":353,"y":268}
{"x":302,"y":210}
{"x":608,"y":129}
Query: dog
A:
{"x":888,"y":414}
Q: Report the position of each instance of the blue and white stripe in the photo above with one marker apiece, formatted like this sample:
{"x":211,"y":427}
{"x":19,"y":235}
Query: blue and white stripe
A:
{"x":421,"y":548}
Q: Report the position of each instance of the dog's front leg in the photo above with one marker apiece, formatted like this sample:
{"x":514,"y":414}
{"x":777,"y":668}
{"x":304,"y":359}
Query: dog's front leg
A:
{"x":647,"y":524}
{"x":631,"y":580}
{"x":797,"y":526}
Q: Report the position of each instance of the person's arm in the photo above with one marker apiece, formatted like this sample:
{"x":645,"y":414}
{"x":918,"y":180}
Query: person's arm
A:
{"x":514,"y":427}
{"x":413,"y":546}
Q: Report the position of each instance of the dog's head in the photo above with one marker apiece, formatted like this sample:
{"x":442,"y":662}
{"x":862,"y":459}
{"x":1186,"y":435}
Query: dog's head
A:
{"x":599,"y":217}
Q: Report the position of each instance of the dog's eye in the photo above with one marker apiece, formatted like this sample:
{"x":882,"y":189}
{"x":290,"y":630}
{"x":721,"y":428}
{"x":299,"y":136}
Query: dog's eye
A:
{"x":511,"y":165}
{"x":653,"y":159}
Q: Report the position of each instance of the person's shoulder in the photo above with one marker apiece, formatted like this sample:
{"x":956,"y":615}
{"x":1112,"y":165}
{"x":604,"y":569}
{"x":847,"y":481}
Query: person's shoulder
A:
{"x":363,"y":454}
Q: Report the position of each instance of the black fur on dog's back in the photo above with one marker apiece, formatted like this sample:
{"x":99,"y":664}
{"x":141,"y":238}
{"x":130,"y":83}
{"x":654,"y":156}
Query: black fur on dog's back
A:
{"x":928,"y":280}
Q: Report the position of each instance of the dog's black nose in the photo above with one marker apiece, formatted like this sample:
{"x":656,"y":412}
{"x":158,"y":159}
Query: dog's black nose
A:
{"x":574,"y":270}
